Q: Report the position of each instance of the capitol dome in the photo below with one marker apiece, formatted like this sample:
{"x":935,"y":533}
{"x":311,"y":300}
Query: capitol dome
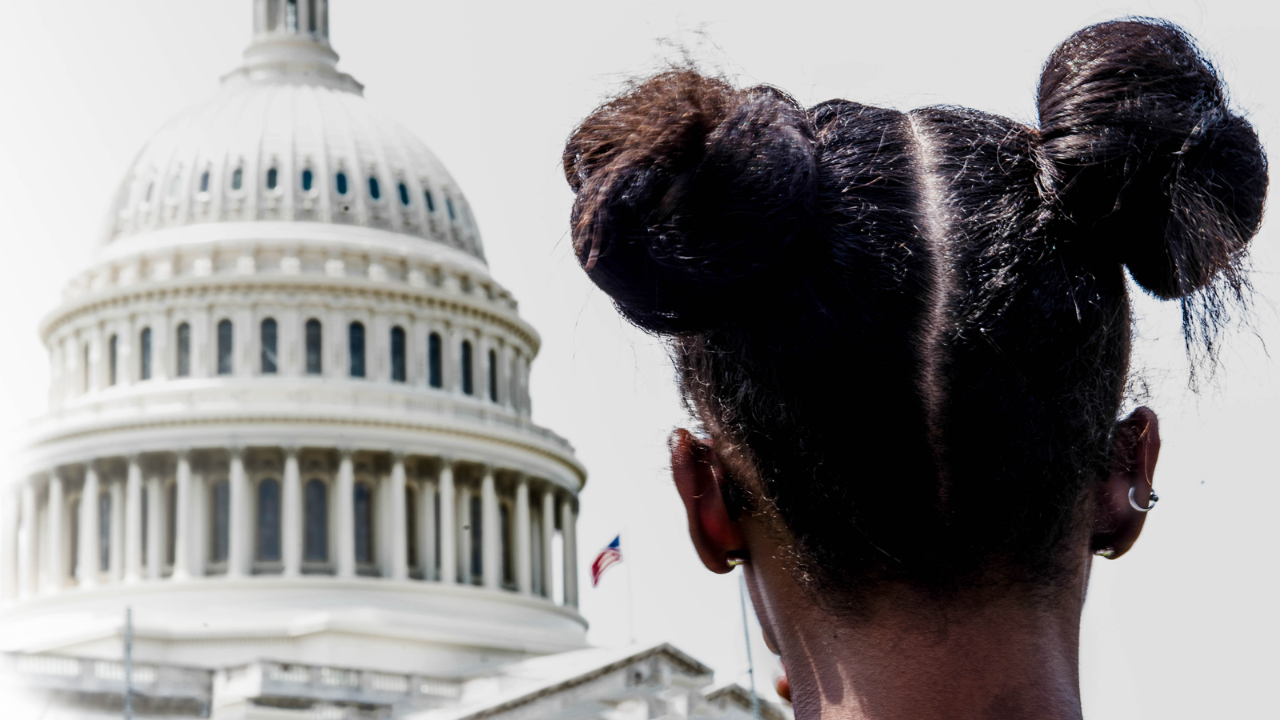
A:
{"x":289,"y":410}
{"x":288,"y":137}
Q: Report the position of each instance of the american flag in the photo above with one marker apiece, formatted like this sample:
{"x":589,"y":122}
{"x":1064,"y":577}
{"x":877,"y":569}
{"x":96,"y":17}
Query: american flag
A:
{"x":610,"y":555}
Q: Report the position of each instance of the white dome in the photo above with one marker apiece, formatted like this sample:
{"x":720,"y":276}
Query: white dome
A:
{"x":288,"y":137}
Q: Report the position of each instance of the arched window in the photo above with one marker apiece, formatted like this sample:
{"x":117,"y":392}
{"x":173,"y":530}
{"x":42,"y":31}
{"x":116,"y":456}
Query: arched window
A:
{"x":73,"y":510}
{"x":171,"y":527}
{"x":104,"y":531}
{"x":316,"y":535}
{"x":468,"y":383}
{"x":397,"y":354}
{"x":477,"y":540}
{"x":355,"y":344}
{"x":313,"y":347}
{"x":448,"y":203}
{"x":144,"y":354}
{"x":341,"y":181}
{"x":221,"y":522}
{"x":431,"y":201}
{"x":184,"y":350}
{"x":363,"y":502}
{"x":508,"y":537}
{"x":224,"y":347}
{"x":237,"y":179}
{"x":535,"y":550}
{"x":113,"y":357}
{"x":375,"y":190}
{"x":411,"y":525}
{"x":493,"y":376}
{"x":435,"y":361}
{"x":308,"y":179}
{"x":404,"y":194}
{"x":204,"y":181}
{"x":269,"y":520}
{"x":273,"y":178}
{"x":269,"y":346}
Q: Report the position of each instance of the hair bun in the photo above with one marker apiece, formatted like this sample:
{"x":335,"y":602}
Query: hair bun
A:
{"x":1147,"y":159}
{"x":678,"y":141}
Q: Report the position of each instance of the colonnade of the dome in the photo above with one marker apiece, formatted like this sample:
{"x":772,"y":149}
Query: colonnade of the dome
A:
{"x":205,"y":513}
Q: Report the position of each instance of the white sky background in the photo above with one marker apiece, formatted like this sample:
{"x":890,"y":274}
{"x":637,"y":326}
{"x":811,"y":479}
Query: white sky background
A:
{"x":1183,"y":627}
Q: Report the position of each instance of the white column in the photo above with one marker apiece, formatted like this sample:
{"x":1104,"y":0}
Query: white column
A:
{"x":491,"y":532}
{"x":346,"y":517}
{"x":448,"y":529}
{"x":183,"y":531}
{"x":463,"y":509}
{"x":9,"y":530}
{"x":399,"y":534}
{"x":427,"y":529}
{"x":89,"y":563}
{"x":291,"y":509}
{"x":115,"y":558}
{"x":133,"y":522}
{"x":569,"y":520}
{"x":27,"y":542}
{"x":524,"y":542}
{"x":57,"y":560}
{"x":155,"y":528}
{"x":238,"y":527}
{"x":548,"y":534}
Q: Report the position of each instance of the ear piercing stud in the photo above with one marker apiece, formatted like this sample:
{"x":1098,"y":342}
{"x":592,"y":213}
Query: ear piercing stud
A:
{"x":1150,"y":504}
{"x":734,"y":559}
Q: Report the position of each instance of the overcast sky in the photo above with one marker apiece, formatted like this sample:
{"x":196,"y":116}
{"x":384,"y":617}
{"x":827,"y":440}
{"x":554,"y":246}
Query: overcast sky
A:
{"x":1184,"y":627}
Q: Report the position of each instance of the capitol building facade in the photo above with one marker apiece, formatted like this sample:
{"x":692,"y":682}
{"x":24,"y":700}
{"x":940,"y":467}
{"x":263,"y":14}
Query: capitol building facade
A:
{"x":290,"y":431}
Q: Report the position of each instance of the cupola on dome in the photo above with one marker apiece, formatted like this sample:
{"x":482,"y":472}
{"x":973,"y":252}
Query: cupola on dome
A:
{"x":289,"y":137}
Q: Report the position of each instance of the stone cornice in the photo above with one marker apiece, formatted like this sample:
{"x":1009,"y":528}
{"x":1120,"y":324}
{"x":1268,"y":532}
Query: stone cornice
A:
{"x":167,"y":291}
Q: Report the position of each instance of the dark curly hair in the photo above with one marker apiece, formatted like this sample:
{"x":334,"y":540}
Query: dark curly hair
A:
{"x":914,"y":327}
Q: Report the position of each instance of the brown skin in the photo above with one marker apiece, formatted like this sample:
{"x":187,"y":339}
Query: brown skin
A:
{"x":1005,"y":657}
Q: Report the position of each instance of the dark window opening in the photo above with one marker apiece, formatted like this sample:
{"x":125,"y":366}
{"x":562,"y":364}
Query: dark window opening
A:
{"x":316,"y":540}
{"x":448,"y":203}
{"x":468,"y":384}
{"x":204,"y":182}
{"x":493,"y":376}
{"x":411,"y":526}
{"x":113,"y":349}
{"x":375,"y":190}
{"x":221,"y":521}
{"x":508,"y":535}
{"x":184,"y":350}
{"x":273,"y":178}
{"x":364,"y":523}
{"x":435,"y":370}
{"x":144,"y":354}
{"x":237,"y":179}
{"x":307,"y":179}
{"x":397,"y":354}
{"x":224,"y":347}
{"x":431,"y":202}
{"x":477,"y":541}
{"x":313,"y":347}
{"x":355,"y":342}
{"x":104,"y":531}
{"x":269,"y":520}
{"x":269,"y":346}
{"x":404,"y":194}
{"x":342,"y":183}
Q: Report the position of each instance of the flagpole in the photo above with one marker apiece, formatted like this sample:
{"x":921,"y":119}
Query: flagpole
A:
{"x":746,"y":634}
{"x":631,"y":588}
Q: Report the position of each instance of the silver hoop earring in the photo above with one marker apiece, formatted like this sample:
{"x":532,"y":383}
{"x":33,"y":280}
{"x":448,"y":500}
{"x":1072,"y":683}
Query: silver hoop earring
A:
{"x":1150,"y":504}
